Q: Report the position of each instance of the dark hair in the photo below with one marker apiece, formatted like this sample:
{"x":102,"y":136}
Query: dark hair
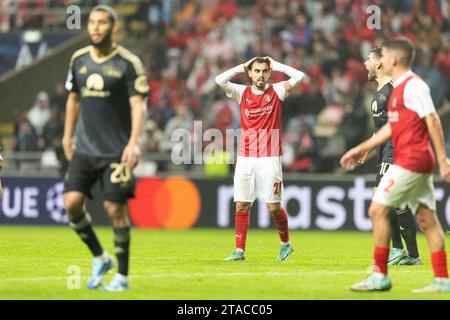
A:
{"x":376,"y":51}
{"x":259,"y":60}
{"x":406,"y":48}
{"x":112,"y":15}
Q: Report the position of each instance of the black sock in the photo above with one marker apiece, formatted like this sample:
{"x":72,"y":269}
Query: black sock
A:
{"x":122,"y":248}
{"x":396,"y":237}
{"x":83,"y":228}
{"x":408,"y":230}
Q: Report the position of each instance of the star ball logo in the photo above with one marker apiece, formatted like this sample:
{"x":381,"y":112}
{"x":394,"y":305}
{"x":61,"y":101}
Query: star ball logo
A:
{"x":55,"y":203}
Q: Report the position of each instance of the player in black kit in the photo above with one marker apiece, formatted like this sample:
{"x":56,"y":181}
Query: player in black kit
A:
{"x":403,"y":223}
{"x":105,"y":112}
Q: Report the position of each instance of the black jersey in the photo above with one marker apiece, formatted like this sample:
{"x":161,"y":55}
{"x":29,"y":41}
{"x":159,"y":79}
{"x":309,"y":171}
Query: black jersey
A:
{"x":379,"y":108}
{"x":105,"y":86}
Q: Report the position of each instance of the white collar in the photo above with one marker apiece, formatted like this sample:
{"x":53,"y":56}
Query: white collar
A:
{"x":402,"y":78}
{"x":256,"y":91}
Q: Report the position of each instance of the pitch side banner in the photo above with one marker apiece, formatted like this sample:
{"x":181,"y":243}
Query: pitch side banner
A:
{"x":311,"y":204}
{"x":32,"y":201}
{"x":176,"y":203}
{"x":39,"y":201}
{"x":317,"y":203}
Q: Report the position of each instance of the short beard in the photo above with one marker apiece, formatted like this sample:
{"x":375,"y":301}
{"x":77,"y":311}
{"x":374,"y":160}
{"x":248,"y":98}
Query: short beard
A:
{"x":260,"y":88}
{"x":107,"y":39}
{"x":372,"y":77}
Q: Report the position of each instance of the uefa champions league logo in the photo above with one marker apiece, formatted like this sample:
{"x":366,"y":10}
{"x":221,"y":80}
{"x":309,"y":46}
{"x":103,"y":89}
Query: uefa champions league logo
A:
{"x":55,"y":203}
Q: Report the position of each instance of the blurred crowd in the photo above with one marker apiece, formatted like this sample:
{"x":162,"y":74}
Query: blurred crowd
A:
{"x":328,"y":40}
{"x":42,"y":128}
{"x":48,"y":14}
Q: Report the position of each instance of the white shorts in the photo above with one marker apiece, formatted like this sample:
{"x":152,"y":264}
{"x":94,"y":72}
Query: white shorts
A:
{"x":400,"y":187}
{"x":258,"y":177}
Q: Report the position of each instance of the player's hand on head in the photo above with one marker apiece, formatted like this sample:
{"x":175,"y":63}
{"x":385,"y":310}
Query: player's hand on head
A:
{"x":131,"y":155}
{"x":271,"y":61}
{"x":247,"y":64}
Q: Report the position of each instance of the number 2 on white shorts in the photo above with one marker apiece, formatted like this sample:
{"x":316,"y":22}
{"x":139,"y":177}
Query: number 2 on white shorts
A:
{"x":390,"y":184}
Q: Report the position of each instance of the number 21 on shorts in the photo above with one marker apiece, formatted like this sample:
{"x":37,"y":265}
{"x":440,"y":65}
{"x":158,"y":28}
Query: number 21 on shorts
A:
{"x":277,"y":188}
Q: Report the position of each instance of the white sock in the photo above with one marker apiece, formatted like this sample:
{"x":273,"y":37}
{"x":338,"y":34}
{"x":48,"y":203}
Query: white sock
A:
{"x":102,"y":257}
{"x":121,"y":276}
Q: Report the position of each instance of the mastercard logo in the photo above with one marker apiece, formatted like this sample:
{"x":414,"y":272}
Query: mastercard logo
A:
{"x":172,"y":203}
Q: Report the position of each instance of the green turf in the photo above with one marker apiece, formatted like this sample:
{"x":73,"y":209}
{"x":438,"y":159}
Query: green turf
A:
{"x":189,"y":265}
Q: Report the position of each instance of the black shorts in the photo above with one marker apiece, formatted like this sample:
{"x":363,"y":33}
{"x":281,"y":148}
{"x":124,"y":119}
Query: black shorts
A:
{"x":382,"y":168}
{"x":116,"y":180}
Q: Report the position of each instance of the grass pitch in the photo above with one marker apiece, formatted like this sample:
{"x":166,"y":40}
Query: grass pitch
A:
{"x":189,"y":265}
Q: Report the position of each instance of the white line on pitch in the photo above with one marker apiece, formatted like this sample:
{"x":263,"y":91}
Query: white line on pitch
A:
{"x":189,"y":275}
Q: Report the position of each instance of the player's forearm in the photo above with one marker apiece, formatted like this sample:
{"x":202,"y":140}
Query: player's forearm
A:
{"x":379,"y":138}
{"x":138,"y":115}
{"x":437,"y":136}
{"x":72,"y":114}
{"x":223,"y":78}
{"x":296,"y":76}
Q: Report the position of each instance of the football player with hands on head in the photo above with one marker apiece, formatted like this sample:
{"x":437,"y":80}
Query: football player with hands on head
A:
{"x":258,"y":169}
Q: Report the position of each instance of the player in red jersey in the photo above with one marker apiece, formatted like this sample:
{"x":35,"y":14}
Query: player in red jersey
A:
{"x":258,"y":168}
{"x":409,"y":181}
{"x":403,"y":223}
